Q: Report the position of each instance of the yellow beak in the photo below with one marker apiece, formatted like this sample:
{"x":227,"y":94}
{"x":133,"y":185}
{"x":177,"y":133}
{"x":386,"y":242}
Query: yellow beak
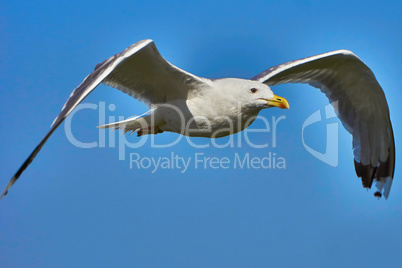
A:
{"x":278,"y":102}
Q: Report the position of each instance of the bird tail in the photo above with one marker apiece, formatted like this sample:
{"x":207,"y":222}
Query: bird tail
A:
{"x":134,"y":124}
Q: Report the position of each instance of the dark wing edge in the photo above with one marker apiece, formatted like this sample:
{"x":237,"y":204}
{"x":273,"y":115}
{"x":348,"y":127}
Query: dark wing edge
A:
{"x":360,"y":104}
{"x":77,"y":96}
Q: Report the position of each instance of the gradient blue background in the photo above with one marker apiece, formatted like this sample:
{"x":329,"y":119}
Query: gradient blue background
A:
{"x":84,"y":208}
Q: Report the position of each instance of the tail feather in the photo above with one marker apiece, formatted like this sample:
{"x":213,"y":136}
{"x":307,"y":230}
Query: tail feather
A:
{"x":133,"y":124}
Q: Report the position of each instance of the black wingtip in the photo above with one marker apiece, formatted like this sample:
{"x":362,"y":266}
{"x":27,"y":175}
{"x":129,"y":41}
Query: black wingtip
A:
{"x":3,"y":194}
{"x":366,"y":173}
{"x":11,"y":183}
{"x":377,"y":194}
{"x":383,"y":175}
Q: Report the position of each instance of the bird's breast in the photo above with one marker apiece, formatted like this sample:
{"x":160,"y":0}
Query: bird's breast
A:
{"x":214,"y":120}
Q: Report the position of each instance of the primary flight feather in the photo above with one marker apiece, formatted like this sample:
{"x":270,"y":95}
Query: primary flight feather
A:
{"x":190,"y":105}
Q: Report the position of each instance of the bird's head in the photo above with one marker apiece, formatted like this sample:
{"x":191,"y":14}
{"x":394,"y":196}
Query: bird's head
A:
{"x":251,"y":94}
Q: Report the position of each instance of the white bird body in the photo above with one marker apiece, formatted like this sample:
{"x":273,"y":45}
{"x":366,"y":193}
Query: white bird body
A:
{"x":183,"y":103}
{"x":204,"y":114}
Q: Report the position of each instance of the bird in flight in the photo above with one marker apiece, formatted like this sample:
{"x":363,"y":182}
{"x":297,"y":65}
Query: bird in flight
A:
{"x":184,"y":103}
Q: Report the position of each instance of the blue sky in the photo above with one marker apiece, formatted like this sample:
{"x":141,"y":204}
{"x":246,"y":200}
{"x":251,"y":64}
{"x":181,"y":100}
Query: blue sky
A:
{"x":79,"y":207}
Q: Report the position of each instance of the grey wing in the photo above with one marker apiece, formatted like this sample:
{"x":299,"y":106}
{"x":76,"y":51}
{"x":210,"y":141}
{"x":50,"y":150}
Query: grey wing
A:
{"x":148,"y":77}
{"x":360,"y":104}
{"x":139,"y":71}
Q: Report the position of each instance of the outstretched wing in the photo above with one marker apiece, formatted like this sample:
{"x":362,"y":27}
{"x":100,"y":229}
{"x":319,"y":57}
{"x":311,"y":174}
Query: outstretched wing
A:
{"x":360,"y":103}
{"x":139,"y":71}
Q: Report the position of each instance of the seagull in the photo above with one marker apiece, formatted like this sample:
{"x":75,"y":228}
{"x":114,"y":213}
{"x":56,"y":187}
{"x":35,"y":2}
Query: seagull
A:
{"x":184,"y":103}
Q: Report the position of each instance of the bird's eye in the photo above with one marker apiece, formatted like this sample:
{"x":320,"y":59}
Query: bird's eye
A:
{"x":253,"y":90}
